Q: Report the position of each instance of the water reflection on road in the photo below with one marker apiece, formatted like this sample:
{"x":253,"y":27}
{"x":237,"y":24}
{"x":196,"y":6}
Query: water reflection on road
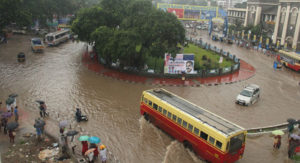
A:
{"x":58,"y":77}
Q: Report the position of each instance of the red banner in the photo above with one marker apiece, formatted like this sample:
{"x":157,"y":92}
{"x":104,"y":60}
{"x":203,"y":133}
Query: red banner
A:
{"x":177,"y":12}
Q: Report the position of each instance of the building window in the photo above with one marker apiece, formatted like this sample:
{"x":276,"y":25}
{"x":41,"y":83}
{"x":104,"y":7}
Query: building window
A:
{"x":294,"y":16}
{"x":283,"y":12}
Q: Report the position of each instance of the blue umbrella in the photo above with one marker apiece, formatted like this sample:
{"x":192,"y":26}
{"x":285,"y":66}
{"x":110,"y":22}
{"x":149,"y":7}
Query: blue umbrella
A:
{"x":94,"y":140}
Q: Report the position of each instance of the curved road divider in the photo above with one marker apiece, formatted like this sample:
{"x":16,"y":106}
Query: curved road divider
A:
{"x":252,"y":132}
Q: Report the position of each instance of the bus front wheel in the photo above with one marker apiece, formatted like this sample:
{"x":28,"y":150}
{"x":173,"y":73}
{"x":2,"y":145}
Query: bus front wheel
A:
{"x":146,"y":116}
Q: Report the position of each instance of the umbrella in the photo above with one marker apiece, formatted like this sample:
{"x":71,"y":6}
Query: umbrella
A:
{"x":10,"y":100}
{"x":94,"y":140}
{"x":89,"y":151}
{"x":63,"y":123}
{"x":40,"y":101}
{"x":6,"y":115}
{"x":83,"y":138}
{"x":278,"y":132}
{"x":12,"y":125}
{"x":291,"y":120}
{"x":13,"y":95}
{"x":72,"y":133}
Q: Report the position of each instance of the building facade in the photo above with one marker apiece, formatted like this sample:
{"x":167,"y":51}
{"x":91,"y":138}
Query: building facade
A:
{"x":280,"y":20}
{"x":236,"y":16}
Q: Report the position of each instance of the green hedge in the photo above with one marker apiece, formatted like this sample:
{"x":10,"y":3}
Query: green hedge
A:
{"x":211,"y":61}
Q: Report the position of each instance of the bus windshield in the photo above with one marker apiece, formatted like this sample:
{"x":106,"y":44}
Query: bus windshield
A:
{"x":236,"y":143}
{"x":50,"y":38}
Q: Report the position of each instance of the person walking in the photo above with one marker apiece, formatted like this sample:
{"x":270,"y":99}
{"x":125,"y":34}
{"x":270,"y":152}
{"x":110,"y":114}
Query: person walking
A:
{"x":277,"y":142}
{"x":43,"y":109}
{"x":84,"y":147}
{"x":103,"y":152}
{"x":96,"y":152}
{"x":4,"y":124}
{"x":16,"y":113}
{"x":11,"y":135}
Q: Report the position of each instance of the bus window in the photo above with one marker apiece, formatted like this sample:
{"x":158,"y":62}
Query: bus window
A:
{"x":219,"y":144}
{"x":174,"y":117}
{"x":211,"y":140}
{"x":184,"y":124}
{"x":196,"y":131}
{"x":150,"y":103}
{"x":203,"y":135}
{"x":164,"y":112}
{"x":179,"y":120}
{"x":169,"y":115}
{"x":145,"y":100}
{"x":155,"y":106}
{"x":159,"y":109}
{"x":190,"y":127}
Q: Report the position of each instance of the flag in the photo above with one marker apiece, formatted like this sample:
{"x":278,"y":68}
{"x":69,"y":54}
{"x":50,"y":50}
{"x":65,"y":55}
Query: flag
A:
{"x":225,"y":27}
{"x":210,"y":27}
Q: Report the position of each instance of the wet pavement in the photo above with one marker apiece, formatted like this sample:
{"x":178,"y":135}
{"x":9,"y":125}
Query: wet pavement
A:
{"x":59,"y":77}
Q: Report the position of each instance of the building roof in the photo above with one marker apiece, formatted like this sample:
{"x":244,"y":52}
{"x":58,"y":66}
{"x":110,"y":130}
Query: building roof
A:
{"x":220,"y":124}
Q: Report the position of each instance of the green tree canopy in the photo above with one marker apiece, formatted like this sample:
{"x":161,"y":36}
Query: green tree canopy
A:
{"x":129,"y":30}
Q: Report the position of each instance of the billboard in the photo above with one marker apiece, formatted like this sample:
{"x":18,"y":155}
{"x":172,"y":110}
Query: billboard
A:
{"x":182,"y":63}
{"x":191,"y":12}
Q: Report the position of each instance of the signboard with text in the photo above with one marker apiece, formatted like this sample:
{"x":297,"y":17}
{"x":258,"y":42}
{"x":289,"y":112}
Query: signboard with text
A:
{"x":182,"y":63}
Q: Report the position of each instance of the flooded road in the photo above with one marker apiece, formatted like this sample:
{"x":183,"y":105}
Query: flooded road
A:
{"x":58,"y":77}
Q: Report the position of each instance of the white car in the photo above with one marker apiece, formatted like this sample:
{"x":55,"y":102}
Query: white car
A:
{"x":249,"y":95}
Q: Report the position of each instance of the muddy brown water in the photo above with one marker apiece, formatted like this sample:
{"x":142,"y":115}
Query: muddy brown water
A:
{"x":58,"y":77}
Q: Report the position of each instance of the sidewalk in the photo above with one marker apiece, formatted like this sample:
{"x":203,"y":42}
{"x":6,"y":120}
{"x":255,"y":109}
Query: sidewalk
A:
{"x":246,"y":71}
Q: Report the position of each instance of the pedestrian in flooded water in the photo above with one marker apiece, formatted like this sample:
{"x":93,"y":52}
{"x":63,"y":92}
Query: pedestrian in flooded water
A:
{"x":84,"y":147}
{"x":277,"y":142}
{"x":16,"y":113}
{"x":96,"y":152}
{"x":4,"y":124}
{"x":103,"y":152}
{"x":11,"y":135}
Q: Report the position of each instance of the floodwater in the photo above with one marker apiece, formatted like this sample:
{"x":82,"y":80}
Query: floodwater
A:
{"x":58,"y":77}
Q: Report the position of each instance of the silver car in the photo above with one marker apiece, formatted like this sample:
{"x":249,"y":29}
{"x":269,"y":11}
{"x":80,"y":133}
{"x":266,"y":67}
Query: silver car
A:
{"x":249,"y":95}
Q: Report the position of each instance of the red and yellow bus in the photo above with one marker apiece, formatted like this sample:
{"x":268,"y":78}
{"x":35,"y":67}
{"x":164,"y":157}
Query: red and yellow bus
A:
{"x":289,"y":59}
{"x":212,"y":137}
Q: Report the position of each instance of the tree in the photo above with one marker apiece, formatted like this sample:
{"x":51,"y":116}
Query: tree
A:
{"x":12,"y":11}
{"x":87,"y":21}
{"x":129,"y":31}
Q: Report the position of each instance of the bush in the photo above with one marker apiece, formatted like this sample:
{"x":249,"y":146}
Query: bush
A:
{"x":204,"y":57}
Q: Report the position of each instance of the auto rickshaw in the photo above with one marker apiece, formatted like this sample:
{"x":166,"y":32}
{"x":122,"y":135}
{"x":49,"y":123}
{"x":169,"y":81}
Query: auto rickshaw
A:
{"x":21,"y":57}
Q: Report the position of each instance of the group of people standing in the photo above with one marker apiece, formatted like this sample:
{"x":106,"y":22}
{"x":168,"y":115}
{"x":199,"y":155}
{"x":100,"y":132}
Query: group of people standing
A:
{"x":96,"y":150}
{"x":11,"y":110}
